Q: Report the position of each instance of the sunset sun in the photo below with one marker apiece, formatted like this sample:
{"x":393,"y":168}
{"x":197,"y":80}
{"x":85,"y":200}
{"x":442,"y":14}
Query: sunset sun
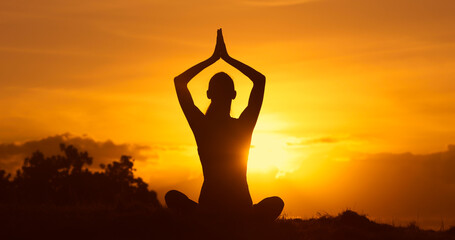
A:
{"x":268,"y":153}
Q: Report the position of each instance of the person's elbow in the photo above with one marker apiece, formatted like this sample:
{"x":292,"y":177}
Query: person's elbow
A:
{"x":260,"y":79}
{"x":179,"y":81}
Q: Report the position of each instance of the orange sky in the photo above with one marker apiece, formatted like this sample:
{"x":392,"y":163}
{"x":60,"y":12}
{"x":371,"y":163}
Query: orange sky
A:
{"x":346,"y":80}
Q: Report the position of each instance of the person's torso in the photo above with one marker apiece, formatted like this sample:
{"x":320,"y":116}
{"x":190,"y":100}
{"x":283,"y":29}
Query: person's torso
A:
{"x":223,"y":148}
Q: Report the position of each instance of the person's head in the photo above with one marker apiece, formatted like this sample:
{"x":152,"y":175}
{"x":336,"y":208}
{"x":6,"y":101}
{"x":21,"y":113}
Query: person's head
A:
{"x":221,"y":88}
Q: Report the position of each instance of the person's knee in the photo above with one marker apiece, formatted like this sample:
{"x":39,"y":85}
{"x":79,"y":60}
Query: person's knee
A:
{"x":268,"y":209}
{"x":171,"y":197}
{"x":277,"y":202}
{"x":179,"y":201}
{"x":273,"y":202}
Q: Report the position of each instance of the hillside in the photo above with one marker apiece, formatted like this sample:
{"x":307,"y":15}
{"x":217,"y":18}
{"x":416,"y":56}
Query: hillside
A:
{"x":140,"y":222}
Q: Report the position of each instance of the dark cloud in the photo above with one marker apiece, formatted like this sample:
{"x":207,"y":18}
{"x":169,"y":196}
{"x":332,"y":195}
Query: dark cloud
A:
{"x":404,"y":185}
{"x":13,"y":154}
{"x":424,"y":169}
{"x":399,"y":187}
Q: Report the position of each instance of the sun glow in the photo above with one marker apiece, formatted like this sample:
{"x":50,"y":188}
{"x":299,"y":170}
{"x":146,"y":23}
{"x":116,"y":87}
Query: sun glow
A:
{"x":268,"y":153}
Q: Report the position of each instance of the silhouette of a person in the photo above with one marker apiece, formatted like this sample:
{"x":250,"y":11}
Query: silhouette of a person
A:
{"x":223,"y":143}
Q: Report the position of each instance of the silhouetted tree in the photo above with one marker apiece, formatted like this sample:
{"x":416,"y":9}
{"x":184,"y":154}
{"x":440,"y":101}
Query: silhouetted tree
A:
{"x":75,"y":158}
{"x":129,"y":188}
{"x":5,"y":186}
{"x":66,"y":180}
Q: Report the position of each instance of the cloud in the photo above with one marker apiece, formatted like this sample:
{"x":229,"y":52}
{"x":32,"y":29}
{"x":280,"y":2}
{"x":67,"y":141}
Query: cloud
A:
{"x":404,"y":185}
{"x":419,"y":170}
{"x":310,"y":141}
{"x":13,"y":154}
{"x":397,"y":187}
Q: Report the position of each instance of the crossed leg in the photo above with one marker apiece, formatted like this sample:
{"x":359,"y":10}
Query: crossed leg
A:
{"x":266,"y":210}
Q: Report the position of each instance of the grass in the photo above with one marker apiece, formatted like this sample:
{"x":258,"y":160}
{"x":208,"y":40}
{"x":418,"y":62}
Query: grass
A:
{"x":140,"y":222}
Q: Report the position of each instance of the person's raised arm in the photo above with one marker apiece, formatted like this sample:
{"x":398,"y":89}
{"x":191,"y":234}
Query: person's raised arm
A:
{"x":251,"y":112}
{"x":192,"y":113}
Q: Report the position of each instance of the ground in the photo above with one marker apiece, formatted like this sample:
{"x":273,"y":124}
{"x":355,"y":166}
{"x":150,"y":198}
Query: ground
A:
{"x":139,"y":222}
